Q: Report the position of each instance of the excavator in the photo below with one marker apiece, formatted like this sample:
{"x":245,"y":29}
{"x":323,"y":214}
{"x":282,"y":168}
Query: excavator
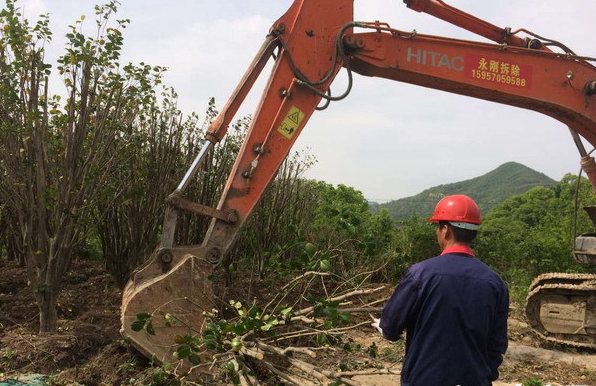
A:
{"x":309,"y":45}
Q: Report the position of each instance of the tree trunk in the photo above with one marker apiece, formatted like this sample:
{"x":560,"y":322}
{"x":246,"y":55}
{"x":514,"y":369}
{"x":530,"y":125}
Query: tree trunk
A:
{"x":47,"y":310}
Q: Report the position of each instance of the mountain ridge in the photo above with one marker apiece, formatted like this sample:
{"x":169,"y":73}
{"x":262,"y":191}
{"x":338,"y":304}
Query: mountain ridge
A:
{"x":488,"y":190}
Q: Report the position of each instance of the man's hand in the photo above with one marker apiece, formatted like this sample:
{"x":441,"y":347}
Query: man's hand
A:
{"x":375,"y":324}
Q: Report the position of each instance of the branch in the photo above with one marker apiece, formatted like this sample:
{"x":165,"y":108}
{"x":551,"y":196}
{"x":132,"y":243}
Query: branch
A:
{"x":301,"y":333}
{"x":370,"y":372}
{"x":280,"y":351}
{"x":367,"y":274}
{"x":309,"y":273}
{"x":302,"y":319}
{"x":252,"y":353}
{"x":360,"y":309}
{"x":309,"y":369}
{"x":281,"y":374}
{"x":308,"y":310}
{"x":245,"y":379}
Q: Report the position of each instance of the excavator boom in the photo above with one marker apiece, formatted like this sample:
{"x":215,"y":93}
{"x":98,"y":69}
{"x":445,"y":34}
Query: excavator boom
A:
{"x":314,"y":39}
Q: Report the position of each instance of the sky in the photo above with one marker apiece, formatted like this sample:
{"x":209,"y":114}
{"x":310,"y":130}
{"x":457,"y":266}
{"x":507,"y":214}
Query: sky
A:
{"x":386,"y":139}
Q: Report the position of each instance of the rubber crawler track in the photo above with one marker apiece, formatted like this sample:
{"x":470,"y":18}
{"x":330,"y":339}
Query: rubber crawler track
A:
{"x":562,"y":284}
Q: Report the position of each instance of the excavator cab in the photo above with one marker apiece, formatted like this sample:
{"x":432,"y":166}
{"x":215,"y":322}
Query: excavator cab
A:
{"x":584,"y":247}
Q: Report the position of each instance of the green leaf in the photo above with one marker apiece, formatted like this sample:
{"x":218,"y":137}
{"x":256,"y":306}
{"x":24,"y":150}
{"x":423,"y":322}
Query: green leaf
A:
{"x":183,"y":352}
{"x":266,"y":327}
{"x":159,"y":376}
{"x":210,"y":344}
{"x":345,"y":316}
{"x":194,"y":359}
{"x":149,"y":328}
{"x":310,"y":249}
{"x":240,"y":329}
{"x":143,"y":316}
{"x":137,"y":325}
{"x":318,"y":311}
{"x":372,"y":350}
{"x":254,"y":312}
{"x":321,"y":339}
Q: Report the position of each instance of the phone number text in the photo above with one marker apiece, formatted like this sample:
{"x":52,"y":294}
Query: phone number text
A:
{"x":499,"y":78}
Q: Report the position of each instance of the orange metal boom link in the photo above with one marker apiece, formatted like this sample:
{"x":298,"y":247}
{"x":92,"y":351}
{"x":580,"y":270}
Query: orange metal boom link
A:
{"x":471,"y":23}
{"x":308,"y":31}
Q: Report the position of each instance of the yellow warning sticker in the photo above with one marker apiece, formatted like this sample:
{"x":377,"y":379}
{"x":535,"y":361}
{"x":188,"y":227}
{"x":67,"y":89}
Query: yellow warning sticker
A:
{"x":291,"y":122}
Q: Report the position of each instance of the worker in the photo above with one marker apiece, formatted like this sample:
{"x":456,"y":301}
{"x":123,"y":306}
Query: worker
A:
{"x":453,"y":308}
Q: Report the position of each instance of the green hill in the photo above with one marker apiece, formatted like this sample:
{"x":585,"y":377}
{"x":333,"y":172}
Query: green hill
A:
{"x":488,"y":190}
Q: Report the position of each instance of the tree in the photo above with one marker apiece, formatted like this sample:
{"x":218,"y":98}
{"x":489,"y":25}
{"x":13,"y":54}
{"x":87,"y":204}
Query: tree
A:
{"x":285,"y":210}
{"x":57,"y":152}
{"x":165,"y":142}
{"x":534,"y":231}
{"x":416,"y":240}
{"x":341,"y":211}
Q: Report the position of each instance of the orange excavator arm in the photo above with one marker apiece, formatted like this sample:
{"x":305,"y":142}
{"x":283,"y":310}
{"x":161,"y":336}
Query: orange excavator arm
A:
{"x":316,"y":37}
{"x":314,"y":40}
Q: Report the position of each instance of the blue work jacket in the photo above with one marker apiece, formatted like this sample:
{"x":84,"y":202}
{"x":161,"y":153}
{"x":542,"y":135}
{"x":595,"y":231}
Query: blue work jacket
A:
{"x":454,"y":309}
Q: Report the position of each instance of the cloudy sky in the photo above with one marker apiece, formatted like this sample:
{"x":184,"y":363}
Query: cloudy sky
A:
{"x":387,"y":139}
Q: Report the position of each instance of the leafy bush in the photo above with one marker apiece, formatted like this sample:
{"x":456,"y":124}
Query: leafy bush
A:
{"x":533,"y":233}
{"x":533,"y":382}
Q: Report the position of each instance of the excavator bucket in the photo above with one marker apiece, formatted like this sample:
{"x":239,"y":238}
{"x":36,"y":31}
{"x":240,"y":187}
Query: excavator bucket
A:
{"x":173,"y":287}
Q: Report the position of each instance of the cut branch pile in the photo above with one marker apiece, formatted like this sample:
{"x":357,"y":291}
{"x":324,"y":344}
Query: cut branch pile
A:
{"x":280,"y":341}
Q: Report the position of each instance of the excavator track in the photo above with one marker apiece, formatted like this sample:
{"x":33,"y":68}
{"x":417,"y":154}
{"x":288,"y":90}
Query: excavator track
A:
{"x":561,"y":278}
{"x":561,"y":308}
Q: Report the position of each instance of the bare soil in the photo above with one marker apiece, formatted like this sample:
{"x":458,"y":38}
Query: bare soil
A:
{"x":88,"y":349}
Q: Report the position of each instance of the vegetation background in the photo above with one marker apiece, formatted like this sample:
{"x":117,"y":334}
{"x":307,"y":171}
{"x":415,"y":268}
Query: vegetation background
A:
{"x":84,"y":175}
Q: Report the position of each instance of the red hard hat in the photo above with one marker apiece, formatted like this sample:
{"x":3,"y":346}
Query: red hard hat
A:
{"x":458,"y":209}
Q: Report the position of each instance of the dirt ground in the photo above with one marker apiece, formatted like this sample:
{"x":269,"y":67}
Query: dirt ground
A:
{"x":89,"y":350}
